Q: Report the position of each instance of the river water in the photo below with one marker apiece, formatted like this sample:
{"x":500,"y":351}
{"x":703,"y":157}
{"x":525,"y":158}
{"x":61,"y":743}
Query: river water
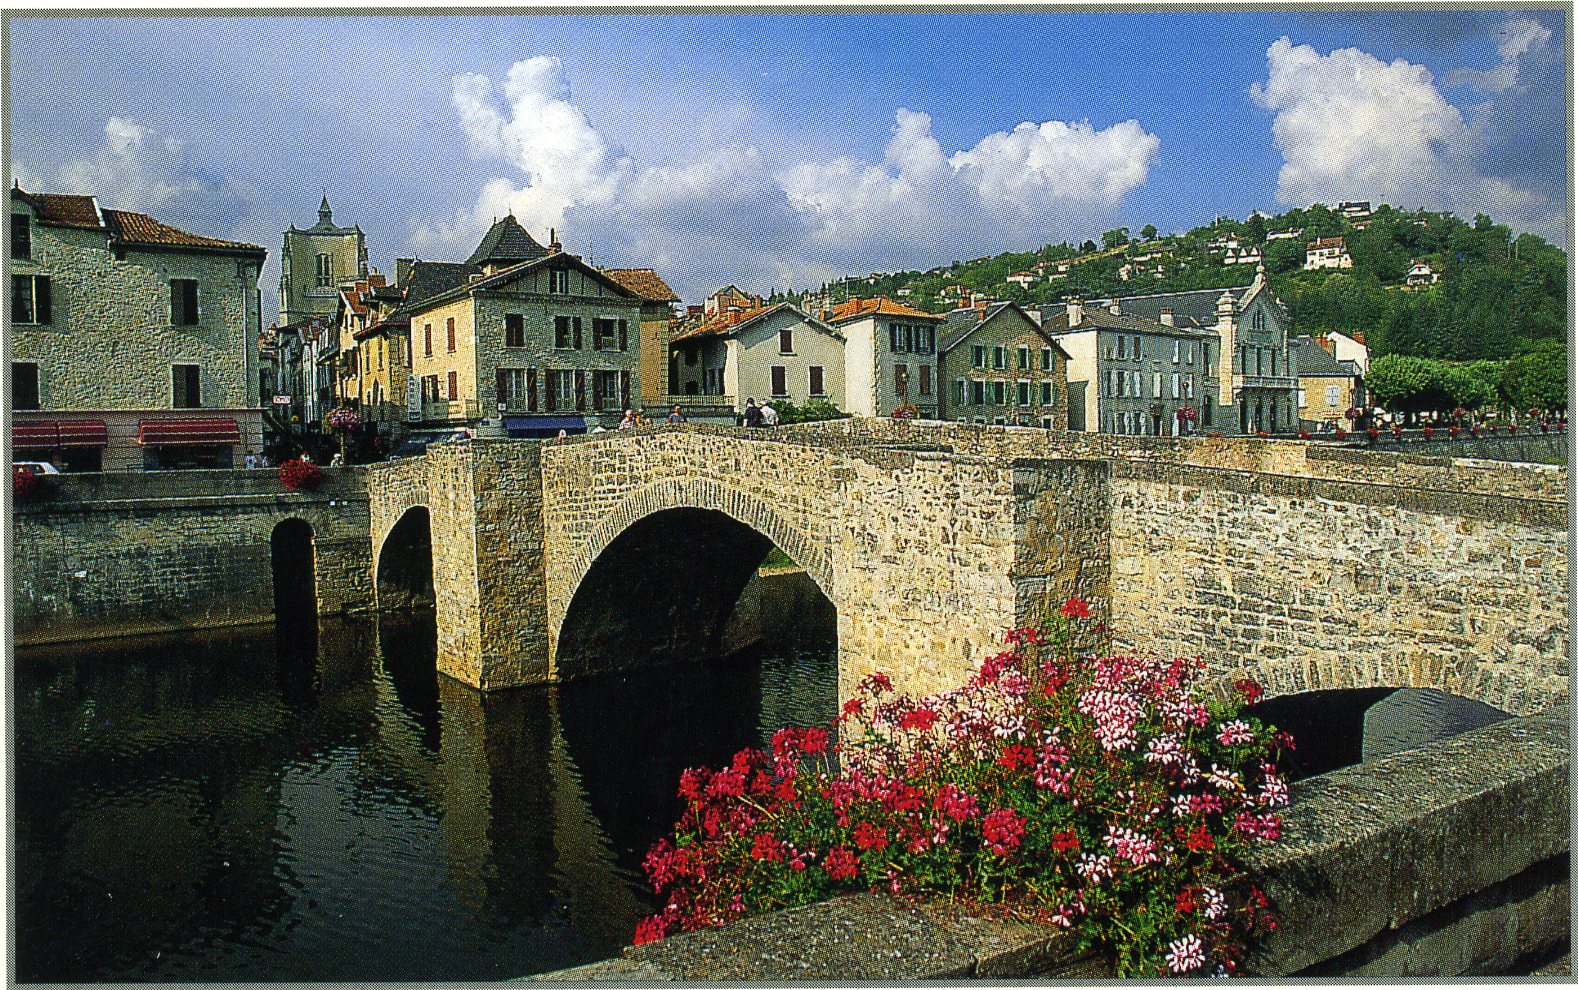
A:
{"x":318,"y":804}
{"x":309,"y":806}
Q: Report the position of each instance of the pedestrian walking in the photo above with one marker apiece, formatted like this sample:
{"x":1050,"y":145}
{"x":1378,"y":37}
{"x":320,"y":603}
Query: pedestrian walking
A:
{"x":675,"y":416}
{"x":753,"y":415}
{"x":769,"y":414}
{"x":629,"y":422}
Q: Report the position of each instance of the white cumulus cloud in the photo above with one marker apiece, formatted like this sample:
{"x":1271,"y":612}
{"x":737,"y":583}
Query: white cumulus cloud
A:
{"x":1516,"y":38}
{"x":731,"y":214}
{"x":135,"y":168}
{"x":1350,"y":126}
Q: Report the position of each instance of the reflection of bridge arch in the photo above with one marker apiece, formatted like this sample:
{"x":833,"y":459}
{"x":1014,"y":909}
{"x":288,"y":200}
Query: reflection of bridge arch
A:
{"x":658,"y":578}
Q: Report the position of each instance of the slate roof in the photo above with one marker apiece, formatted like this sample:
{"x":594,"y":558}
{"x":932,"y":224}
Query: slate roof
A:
{"x":1314,"y":361}
{"x":855,"y":309}
{"x":644,"y":282}
{"x":960,"y":323}
{"x":1196,"y":307}
{"x":1100,"y":318}
{"x":515,"y":271}
{"x":430,"y":278}
{"x":392,"y":322}
{"x":506,"y":243}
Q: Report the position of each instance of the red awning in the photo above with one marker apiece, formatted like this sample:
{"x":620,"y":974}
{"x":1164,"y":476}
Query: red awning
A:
{"x":83,"y":433}
{"x":188,"y":432}
{"x":38,"y":433}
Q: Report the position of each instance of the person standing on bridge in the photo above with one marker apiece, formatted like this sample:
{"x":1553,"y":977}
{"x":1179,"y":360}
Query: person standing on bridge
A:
{"x":753,"y":415}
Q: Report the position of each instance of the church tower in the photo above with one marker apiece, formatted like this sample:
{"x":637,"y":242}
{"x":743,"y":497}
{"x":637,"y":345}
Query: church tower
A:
{"x":314,"y":263}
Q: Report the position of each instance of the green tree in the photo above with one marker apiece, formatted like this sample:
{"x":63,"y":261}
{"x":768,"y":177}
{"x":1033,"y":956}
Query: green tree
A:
{"x":1405,"y":383}
{"x":1148,"y":232}
{"x":1115,"y":238}
{"x":1537,"y":379}
{"x":1255,"y":229}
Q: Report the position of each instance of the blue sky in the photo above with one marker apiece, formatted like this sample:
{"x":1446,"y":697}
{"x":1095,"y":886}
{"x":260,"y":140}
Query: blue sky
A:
{"x":778,"y":150}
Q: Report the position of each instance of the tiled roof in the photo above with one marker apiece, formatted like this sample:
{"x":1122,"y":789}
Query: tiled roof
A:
{"x":855,"y":309}
{"x":727,"y":323}
{"x":506,"y":243}
{"x":62,"y":209}
{"x":390,"y":323}
{"x":140,"y":229}
{"x":644,"y":282}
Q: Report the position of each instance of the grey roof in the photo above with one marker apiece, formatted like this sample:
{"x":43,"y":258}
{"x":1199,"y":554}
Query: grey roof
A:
{"x":960,"y":323}
{"x":1092,"y":317}
{"x":1314,"y":361}
{"x":1196,"y":307}
{"x":429,"y":278}
{"x":506,"y":243}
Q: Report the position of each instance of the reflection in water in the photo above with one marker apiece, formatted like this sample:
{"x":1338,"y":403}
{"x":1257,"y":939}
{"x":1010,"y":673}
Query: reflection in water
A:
{"x":317,"y":804}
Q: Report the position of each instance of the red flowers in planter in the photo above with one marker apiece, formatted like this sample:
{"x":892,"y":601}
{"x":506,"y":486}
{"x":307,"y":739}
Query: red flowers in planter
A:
{"x":1342,"y":434}
{"x":1429,"y":432}
{"x":1304,"y":434}
{"x":906,"y":412}
{"x":1262,"y":434}
{"x":1453,"y":431}
{"x":25,"y":485}
{"x":1102,"y":794}
{"x":1374,"y":433}
{"x":298,"y":475}
{"x":1397,"y":432}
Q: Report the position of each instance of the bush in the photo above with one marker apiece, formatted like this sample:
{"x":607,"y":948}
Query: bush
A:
{"x":300,"y":476}
{"x":1099,"y":794}
{"x":813,"y":411}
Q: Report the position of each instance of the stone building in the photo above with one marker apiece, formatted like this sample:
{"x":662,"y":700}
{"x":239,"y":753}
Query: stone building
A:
{"x":532,"y":334}
{"x":1328,"y":387}
{"x":890,"y":357}
{"x":1131,"y":375}
{"x":657,"y":319}
{"x":996,"y":365}
{"x":1254,"y":384}
{"x":778,"y":352}
{"x":315,"y":262}
{"x":133,"y":343}
{"x":366,"y":345}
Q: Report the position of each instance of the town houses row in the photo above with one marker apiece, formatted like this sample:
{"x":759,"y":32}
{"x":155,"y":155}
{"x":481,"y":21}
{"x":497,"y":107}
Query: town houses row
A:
{"x":139,"y":346}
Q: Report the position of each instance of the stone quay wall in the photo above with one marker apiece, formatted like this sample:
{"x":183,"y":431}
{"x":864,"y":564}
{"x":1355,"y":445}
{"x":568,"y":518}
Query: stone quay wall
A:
{"x":107,"y":555}
{"x":1447,"y":860}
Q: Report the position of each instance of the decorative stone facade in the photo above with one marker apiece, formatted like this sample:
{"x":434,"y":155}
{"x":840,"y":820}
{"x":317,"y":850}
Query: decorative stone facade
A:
{"x":997,"y":366}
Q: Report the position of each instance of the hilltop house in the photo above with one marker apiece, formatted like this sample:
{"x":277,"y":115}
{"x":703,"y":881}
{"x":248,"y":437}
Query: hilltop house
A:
{"x":1420,"y":274}
{"x":1327,"y":252}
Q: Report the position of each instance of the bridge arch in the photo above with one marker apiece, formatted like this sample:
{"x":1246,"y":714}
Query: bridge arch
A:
{"x":293,"y":563}
{"x":658,"y":578}
{"x":403,"y":561}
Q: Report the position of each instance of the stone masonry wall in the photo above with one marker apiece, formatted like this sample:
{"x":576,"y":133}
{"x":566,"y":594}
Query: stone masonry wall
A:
{"x":1310,"y":584}
{"x":108,"y":556}
{"x":914,"y":550}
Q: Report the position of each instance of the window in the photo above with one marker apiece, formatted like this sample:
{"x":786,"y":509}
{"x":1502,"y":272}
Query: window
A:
{"x":1189,"y":387}
{"x":514,"y":330}
{"x":185,"y":387}
{"x":24,"y":385}
{"x":1046,"y":393}
{"x":427,"y":340}
{"x":449,"y":334}
{"x":606,"y":393}
{"x":1258,"y":320}
{"x":925,"y":379}
{"x":1177,"y":351}
{"x":780,"y":376}
{"x":907,"y":336}
{"x":786,"y":340}
{"x":1175,"y":385}
{"x":1046,"y":359}
{"x":561,"y":390}
{"x":958,"y":391}
{"x":561,"y":332}
{"x":814,"y":383}
{"x":454,"y":386}
{"x":575,"y":331}
{"x":999,"y":393}
{"x":1123,"y":353}
{"x":1156,"y":385}
{"x":325,"y":271}
{"x":978,"y":393}
{"x":559,"y":281}
{"x":1023,"y":392}
{"x":901,"y":381}
{"x":1136,"y":347}
{"x":30,"y":299}
{"x":1331,"y":396}
{"x":1189,"y":352}
{"x":183,"y":302}
{"x":999,"y":357}
{"x":604,"y":333}
{"x":978,"y":357}
{"x":511,"y":387}
{"x":21,"y":235}
{"x":1024,"y":358}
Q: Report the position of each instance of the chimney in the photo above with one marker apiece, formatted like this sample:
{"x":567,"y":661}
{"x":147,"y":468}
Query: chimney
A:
{"x":1167,"y":316}
{"x":1076,"y":311}
{"x":554,"y":246}
{"x":403,"y":270}
{"x":1358,"y":338}
{"x":1327,"y":344}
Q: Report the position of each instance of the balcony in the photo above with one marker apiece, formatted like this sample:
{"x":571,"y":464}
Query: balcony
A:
{"x":1264,"y":381}
{"x":460,"y":409}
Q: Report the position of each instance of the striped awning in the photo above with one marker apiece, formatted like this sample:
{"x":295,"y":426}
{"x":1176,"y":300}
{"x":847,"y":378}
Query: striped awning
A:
{"x":83,"y":433}
{"x":36,"y":433}
{"x":187,"y":432}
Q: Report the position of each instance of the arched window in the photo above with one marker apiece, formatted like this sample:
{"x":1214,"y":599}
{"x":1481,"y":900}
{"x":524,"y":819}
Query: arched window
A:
{"x":325,"y":270}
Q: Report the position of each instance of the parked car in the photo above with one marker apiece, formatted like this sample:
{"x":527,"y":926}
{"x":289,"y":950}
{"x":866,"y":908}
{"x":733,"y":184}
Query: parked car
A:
{"x":35,"y":467}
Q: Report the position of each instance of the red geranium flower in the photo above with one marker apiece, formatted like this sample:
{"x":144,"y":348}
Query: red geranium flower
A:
{"x":921,"y":719}
{"x":841,"y":864}
{"x":1075,"y":608}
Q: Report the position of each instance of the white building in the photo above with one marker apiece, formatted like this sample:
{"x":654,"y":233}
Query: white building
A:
{"x":1327,"y":252}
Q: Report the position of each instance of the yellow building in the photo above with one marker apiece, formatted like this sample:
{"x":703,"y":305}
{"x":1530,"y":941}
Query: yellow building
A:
{"x":1328,"y":388}
{"x":657,"y":318}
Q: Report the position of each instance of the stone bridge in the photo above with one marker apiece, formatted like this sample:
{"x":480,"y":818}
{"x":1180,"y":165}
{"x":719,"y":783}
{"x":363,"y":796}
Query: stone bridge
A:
{"x":1307,"y":567}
